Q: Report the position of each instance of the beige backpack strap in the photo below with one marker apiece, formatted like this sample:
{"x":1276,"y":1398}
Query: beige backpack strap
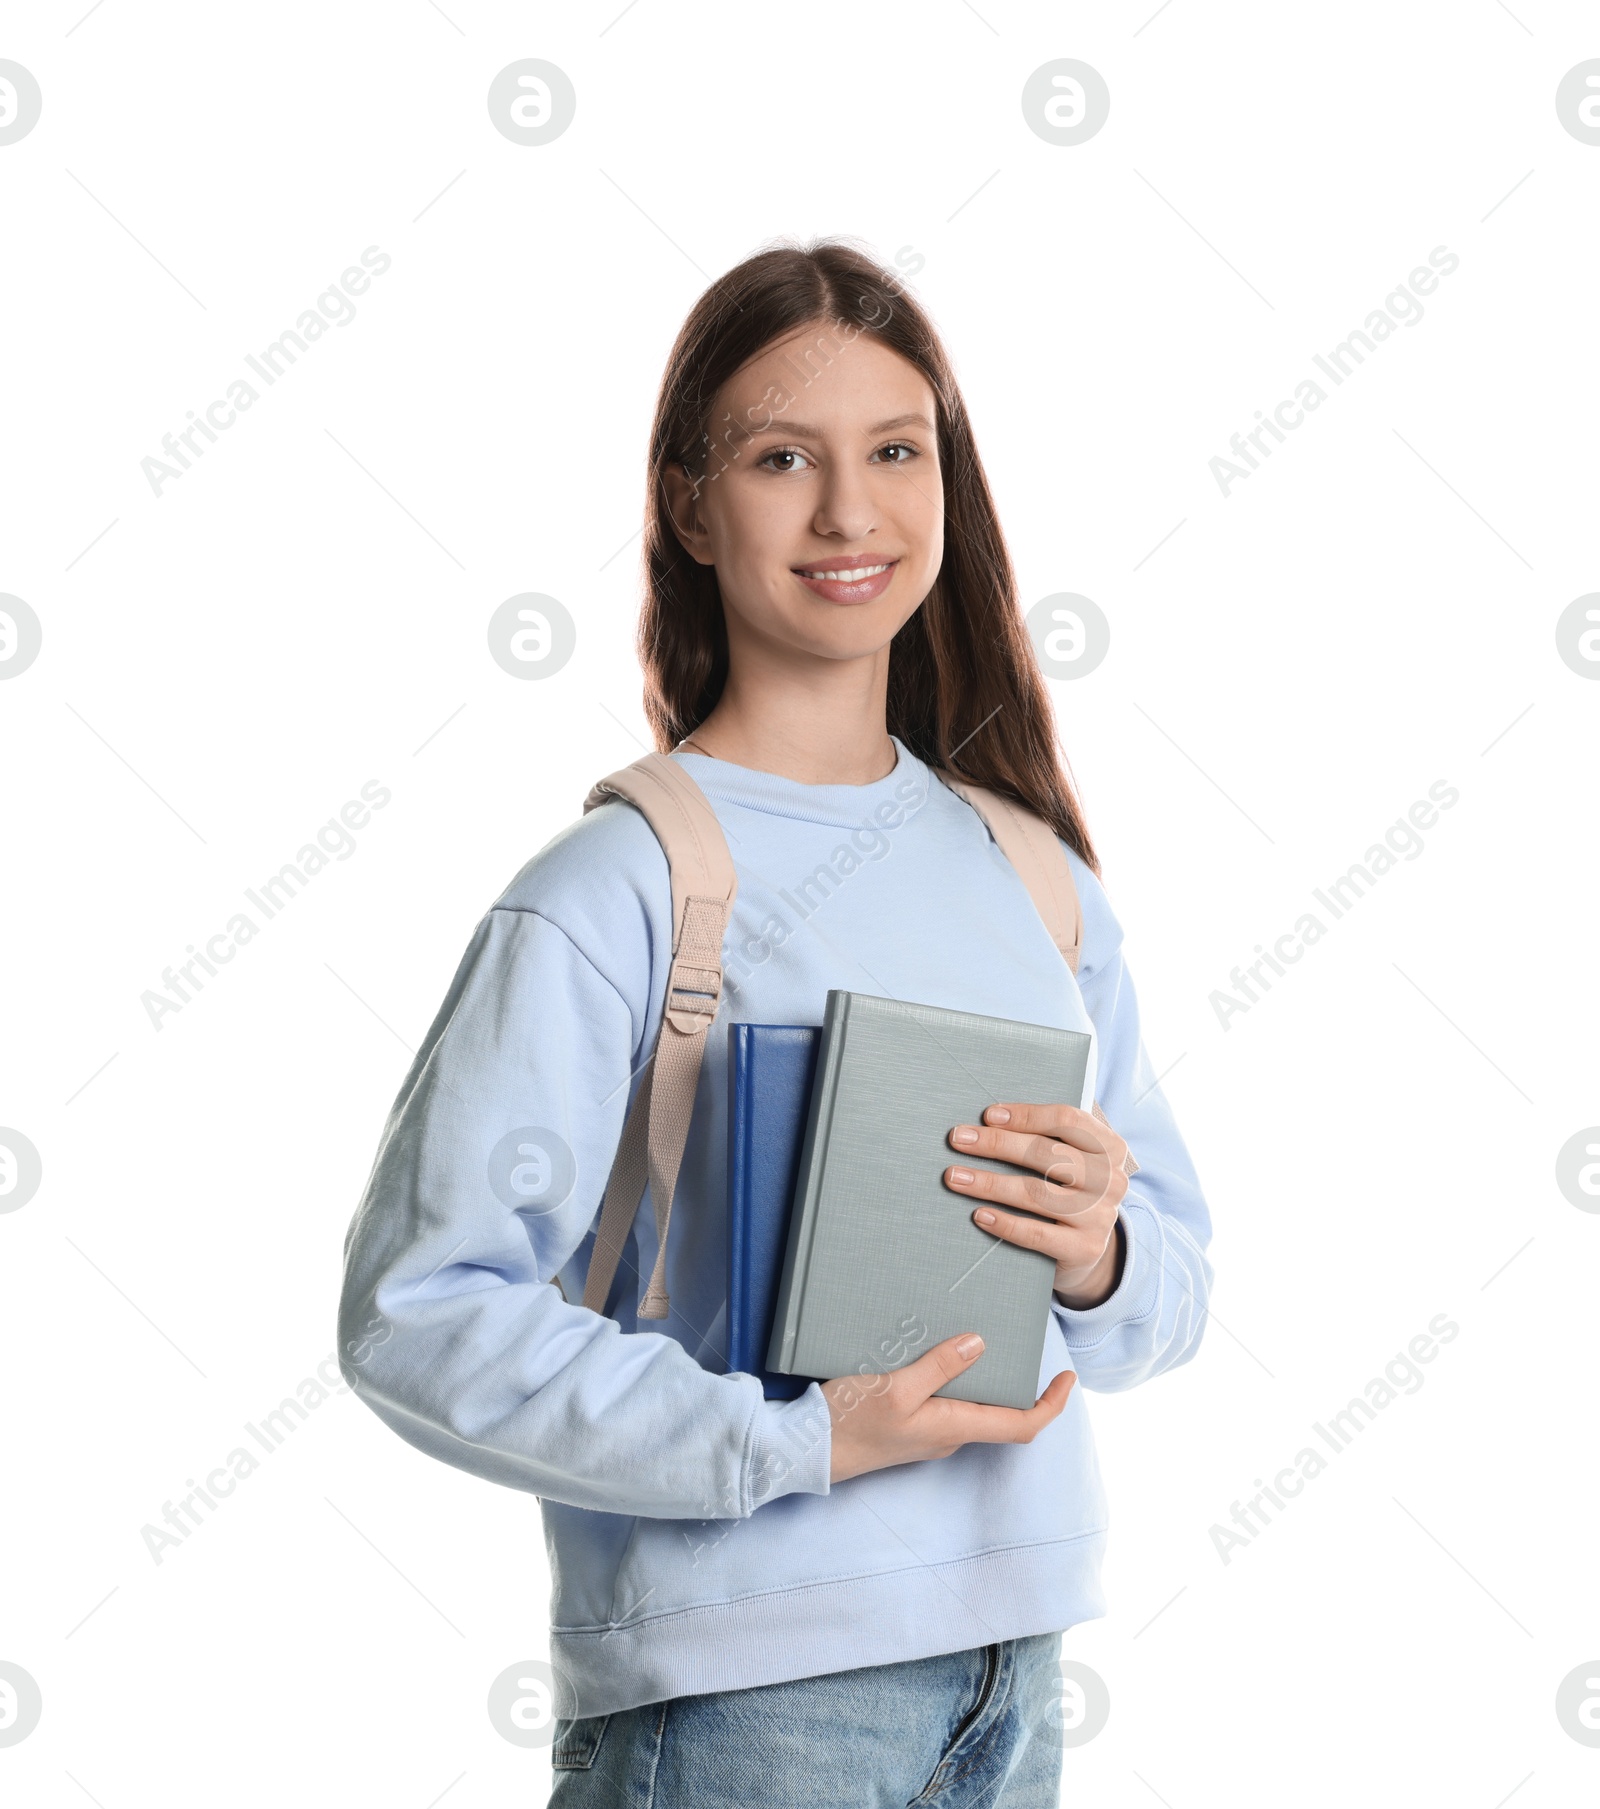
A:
{"x":703,"y":887}
{"x":1030,"y":844}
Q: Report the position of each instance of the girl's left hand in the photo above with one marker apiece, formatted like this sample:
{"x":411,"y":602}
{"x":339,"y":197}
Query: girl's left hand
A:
{"x":1080,"y":1185}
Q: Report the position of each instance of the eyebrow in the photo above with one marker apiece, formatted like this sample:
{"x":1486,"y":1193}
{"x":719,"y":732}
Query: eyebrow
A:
{"x":814,"y":433}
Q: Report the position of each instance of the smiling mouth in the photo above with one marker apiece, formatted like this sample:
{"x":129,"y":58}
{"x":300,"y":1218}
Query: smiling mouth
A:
{"x":852,"y":574}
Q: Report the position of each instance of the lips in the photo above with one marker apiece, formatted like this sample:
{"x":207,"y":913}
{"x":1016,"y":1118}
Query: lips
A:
{"x":847,"y":580}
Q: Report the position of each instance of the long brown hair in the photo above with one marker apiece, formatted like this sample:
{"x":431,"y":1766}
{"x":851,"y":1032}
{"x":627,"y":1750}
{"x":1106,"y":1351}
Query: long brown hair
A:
{"x":965,"y":691}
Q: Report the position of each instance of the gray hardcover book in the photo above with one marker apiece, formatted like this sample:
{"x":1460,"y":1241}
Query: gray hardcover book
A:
{"x":883,"y":1260}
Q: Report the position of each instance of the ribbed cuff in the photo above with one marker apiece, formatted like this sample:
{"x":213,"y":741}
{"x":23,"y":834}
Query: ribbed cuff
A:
{"x":791,"y":1449}
{"x":1134,"y":1296}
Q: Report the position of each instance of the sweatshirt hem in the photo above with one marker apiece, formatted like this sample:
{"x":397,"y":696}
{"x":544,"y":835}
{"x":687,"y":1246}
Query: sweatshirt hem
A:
{"x":816,"y":1629}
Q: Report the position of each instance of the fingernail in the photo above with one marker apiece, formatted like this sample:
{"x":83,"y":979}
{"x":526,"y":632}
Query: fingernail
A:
{"x":963,"y":1177}
{"x":970,"y":1345}
{"x":963,"y":1133}
{"x":984,"y":1216}
{"x":998,"y":1115}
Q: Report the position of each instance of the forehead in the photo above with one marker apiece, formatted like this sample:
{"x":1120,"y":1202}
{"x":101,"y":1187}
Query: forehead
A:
{"x":827,"y":373}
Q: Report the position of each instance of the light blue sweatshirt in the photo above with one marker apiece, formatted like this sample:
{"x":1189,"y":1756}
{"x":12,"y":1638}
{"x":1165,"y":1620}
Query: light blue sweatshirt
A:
{"x":694,"y":1541}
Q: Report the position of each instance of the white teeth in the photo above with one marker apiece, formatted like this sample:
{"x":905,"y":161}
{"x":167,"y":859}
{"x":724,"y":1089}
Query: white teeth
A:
{"x":850,"y":577}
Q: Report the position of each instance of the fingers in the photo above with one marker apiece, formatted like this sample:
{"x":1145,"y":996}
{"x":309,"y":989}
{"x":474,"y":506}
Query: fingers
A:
{"x":942,"y":1364}
{"x":905,"y":1425}
{"x":1043,"y":1235}
{"x":1008,"y":1130}
{"x":1063,"y":1145}
{"x":973,"y":1423}
{"x":1029,"y":1193}
{"x":1060,"y":1162}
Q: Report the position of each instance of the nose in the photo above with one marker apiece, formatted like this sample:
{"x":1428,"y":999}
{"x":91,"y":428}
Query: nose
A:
{"x":845,"y":507}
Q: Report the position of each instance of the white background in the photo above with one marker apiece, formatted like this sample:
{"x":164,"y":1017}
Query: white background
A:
{"x":1372,"y":611}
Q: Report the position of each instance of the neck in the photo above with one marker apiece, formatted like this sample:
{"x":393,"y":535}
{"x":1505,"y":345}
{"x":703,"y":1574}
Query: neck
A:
{"x":821,"y":726}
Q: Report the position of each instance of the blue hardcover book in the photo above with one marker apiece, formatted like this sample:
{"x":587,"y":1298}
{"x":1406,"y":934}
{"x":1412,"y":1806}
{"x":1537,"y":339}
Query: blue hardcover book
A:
{"x":770,"y":1070}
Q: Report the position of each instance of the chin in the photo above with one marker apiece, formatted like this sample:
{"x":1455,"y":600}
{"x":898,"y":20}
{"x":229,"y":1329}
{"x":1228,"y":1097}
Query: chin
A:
{"x":854,"y":632}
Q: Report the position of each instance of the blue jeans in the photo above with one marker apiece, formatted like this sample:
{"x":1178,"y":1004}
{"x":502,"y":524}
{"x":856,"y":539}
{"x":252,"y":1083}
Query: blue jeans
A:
{"x":978,"y":1729}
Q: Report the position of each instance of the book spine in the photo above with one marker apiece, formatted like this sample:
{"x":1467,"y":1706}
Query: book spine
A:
{"x":803,"y":1217}
{"x":738,"y":1197}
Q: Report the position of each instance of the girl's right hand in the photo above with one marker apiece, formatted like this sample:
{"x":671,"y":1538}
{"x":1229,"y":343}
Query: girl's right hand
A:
{"x":879,"y":1420}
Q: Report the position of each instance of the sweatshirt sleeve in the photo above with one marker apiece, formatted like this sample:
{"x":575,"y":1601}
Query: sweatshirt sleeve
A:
{"x":488,"y":1177}
{"x":1155,"y":1317}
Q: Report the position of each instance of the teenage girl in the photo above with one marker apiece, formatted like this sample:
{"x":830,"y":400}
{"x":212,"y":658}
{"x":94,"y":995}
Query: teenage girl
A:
{"x":854,"y":1598}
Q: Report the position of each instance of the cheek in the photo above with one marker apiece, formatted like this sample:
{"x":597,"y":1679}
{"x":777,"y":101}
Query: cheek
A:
{"x":919,"y":515}
{"x":752,"y":528}
{"x":750,"y":551}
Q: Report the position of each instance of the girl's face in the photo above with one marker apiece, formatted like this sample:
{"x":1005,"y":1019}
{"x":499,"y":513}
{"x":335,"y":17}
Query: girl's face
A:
{"x":821,"y":502}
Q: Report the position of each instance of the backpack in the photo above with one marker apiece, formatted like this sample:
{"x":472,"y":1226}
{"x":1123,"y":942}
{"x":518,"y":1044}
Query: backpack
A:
{"x":703,"y":889}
